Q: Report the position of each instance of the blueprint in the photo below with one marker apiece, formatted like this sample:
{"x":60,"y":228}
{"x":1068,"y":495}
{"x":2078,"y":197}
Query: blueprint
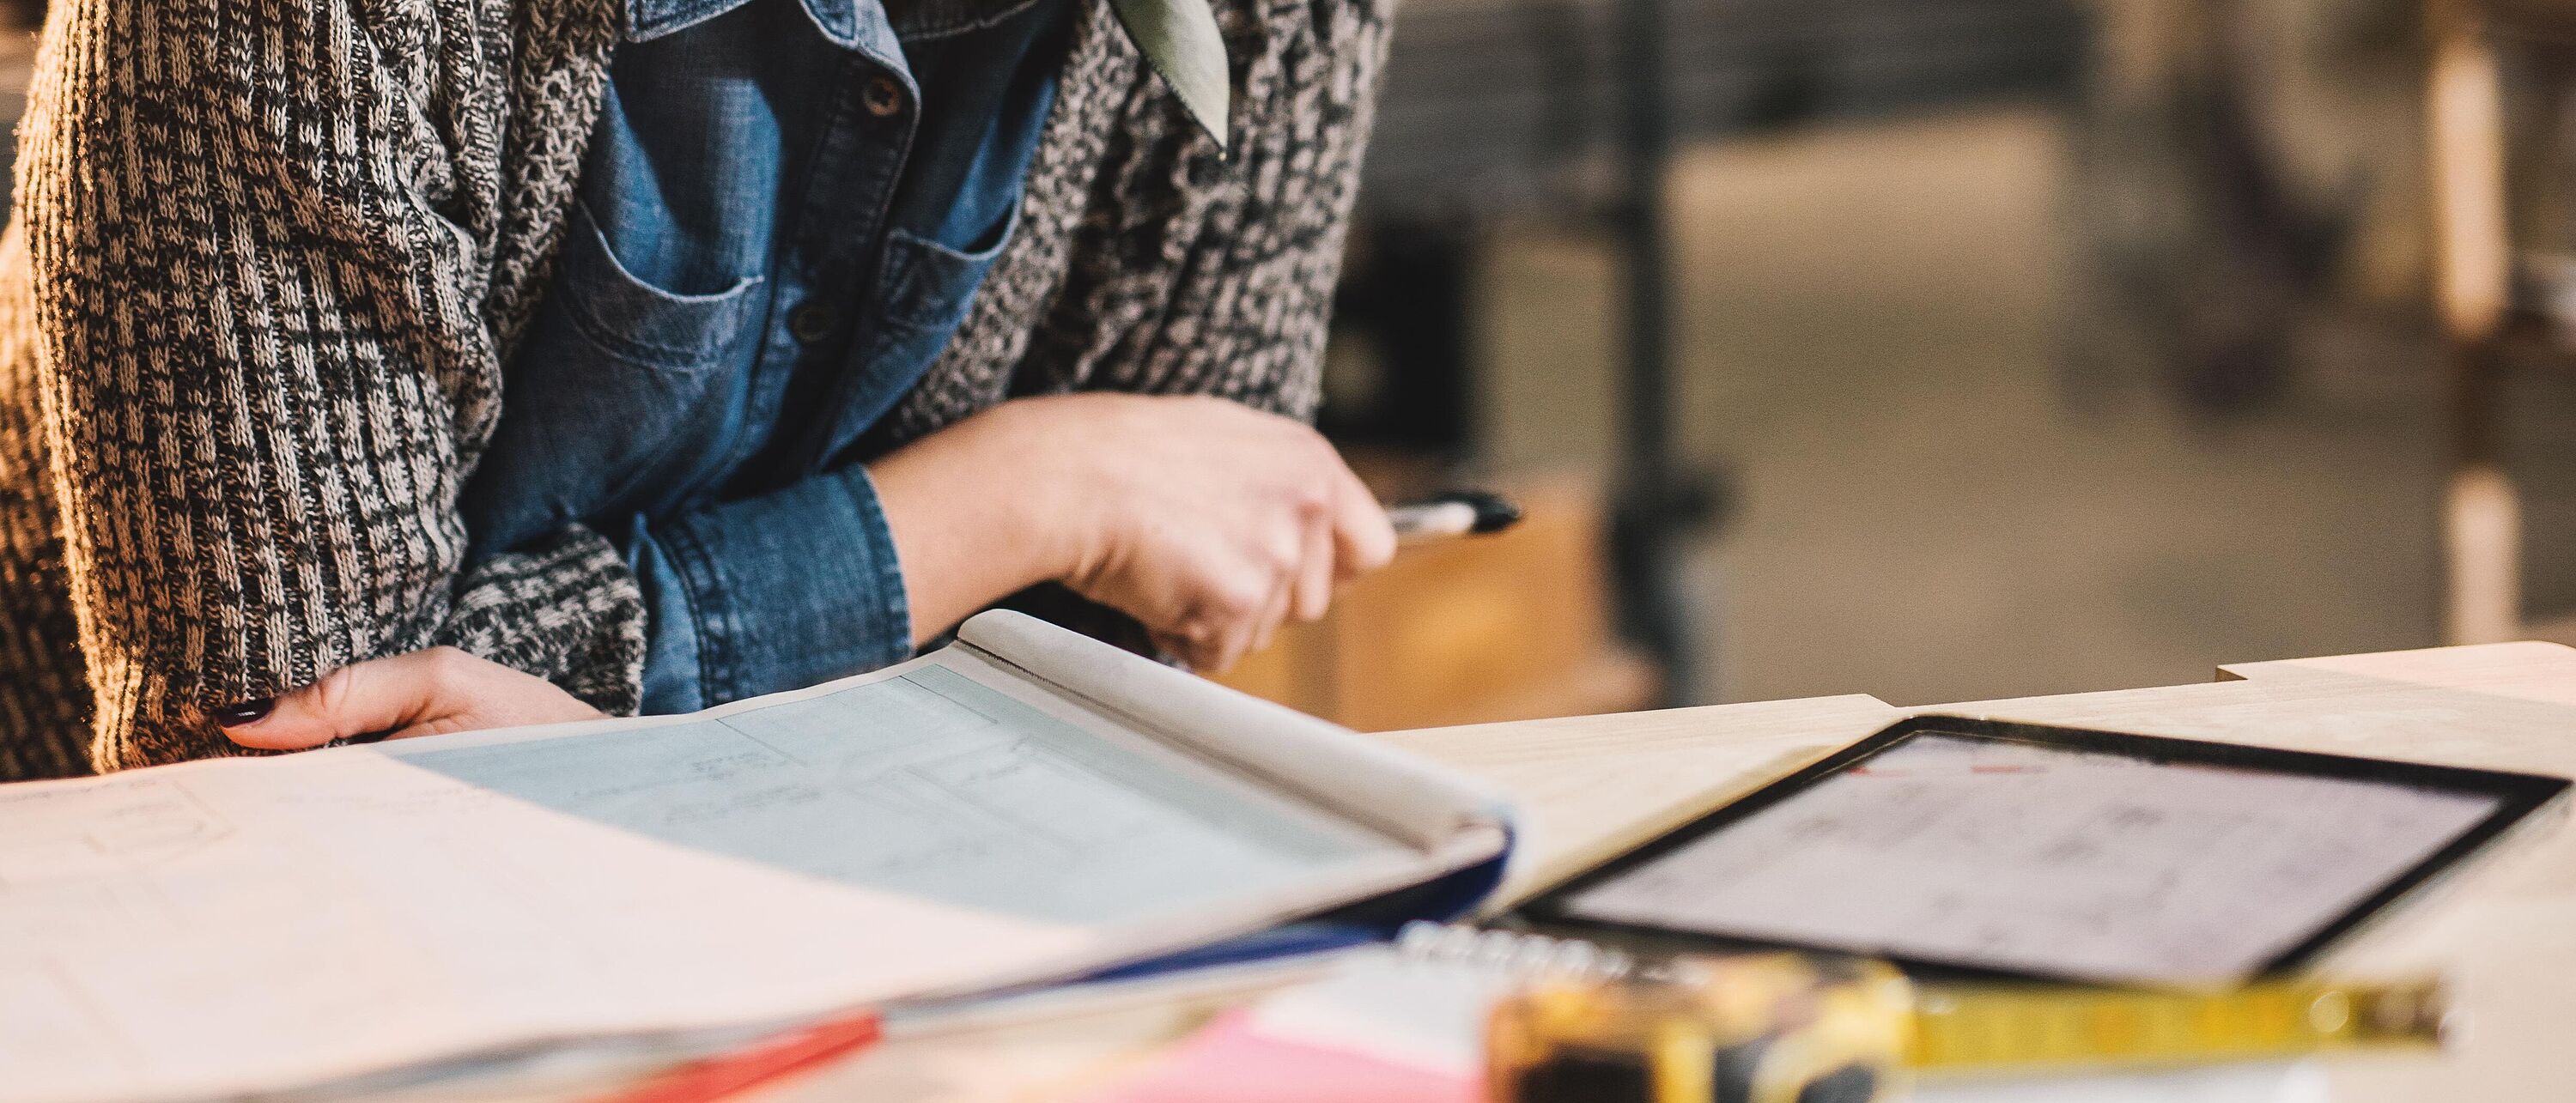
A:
{"x":202,"y":929}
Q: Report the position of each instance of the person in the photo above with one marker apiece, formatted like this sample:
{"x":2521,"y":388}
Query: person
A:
{"x":381,"y":367}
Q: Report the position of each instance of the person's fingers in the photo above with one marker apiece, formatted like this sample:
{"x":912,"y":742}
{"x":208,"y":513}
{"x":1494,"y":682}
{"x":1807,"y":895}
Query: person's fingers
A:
{"x":1283,"y":600}
{"x":1193,"y":631}
{"x":473,"y":694}
{"x":1364,"y":538}
{"x":1195,"y":648}
{"x":1232,"y":625}
{"x":1173,"y":645}
{"x":1246,"y":590}
{"x":1316,"y":572}
{"x":428,"y":692}
{"x":1292,"y":548}
{"x":378,"y":695}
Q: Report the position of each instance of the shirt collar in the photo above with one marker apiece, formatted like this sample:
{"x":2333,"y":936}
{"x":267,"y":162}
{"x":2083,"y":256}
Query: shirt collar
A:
{"x":1178,"y":38}
{"x":846,"y":23}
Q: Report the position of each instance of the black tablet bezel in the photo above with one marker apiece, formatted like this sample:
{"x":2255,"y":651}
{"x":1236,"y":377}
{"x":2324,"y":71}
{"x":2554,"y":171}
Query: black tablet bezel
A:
{"x":2518,"y":797}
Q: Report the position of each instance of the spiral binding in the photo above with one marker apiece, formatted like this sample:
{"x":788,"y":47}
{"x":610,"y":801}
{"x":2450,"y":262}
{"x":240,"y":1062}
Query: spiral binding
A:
{"x":1516,"y":953}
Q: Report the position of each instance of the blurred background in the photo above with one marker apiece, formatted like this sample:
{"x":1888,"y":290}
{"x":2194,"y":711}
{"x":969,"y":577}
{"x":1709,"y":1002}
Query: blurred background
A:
{"x":1945,"y":349}
{"x":2007,"y":346}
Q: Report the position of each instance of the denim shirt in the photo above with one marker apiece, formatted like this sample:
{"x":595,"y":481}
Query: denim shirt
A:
{"x":787,"y":208}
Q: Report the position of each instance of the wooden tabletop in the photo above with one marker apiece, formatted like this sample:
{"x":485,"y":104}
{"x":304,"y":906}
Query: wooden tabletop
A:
{"x":2504,"y":931}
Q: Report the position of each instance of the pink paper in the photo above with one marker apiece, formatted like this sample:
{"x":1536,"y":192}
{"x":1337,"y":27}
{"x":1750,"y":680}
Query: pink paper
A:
{"x":1232,"y":1061}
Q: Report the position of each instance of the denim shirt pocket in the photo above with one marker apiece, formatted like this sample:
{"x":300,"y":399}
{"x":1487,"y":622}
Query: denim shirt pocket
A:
{"x":927,"y":284}
{"x":925,"y":289}
{"x":608,"y":388}
{"x":628,"y":319}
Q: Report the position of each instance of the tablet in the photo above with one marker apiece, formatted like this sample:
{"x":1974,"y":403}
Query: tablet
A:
{"x":2063,"y":853}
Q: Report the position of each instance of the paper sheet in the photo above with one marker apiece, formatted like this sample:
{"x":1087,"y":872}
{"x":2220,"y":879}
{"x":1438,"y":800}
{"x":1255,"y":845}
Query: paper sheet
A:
{"x":241,"y":925}
{"x":2021,"y":857}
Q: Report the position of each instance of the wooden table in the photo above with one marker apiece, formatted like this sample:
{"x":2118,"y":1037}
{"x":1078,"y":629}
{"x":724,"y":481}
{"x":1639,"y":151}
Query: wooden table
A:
{"x":2504,"y":932}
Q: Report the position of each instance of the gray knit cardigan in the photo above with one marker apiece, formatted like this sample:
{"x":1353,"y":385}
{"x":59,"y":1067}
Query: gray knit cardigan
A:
{"x":269,"y":256}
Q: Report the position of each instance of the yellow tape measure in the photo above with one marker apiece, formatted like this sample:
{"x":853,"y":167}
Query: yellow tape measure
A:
{"x":2022,"y":1025}
{"x":1793,"y":1028}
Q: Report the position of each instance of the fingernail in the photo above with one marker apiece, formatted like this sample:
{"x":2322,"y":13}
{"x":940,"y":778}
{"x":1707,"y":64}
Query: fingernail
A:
{"x":245,"y":713}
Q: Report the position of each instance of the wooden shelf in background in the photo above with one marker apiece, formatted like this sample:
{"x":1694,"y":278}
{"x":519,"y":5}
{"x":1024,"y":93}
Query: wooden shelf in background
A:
{"x":1513,"y":626}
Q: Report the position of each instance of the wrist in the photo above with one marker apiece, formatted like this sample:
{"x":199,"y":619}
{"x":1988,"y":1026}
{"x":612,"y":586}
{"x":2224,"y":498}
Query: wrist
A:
{"x":1051,"y":501}
{"x":979,"y":510}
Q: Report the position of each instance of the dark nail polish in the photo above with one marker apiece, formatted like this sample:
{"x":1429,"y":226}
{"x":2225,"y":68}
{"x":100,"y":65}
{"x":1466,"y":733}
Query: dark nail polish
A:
{"x":247,"y":712}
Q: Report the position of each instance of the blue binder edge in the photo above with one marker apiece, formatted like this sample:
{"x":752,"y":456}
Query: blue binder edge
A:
{"x":1376,"y":919}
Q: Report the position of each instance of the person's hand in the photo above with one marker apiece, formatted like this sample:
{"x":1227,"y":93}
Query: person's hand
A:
{"x":429,"y":692}
{"x":1206,"y":520}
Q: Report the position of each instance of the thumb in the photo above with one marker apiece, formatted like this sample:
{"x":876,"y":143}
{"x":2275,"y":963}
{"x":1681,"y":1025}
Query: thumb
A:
{"x":1363,"y":537}
{"x":361,"y":699}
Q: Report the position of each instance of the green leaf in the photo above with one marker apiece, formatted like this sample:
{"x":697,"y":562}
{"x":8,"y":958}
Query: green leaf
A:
{"x":1179,"y":39}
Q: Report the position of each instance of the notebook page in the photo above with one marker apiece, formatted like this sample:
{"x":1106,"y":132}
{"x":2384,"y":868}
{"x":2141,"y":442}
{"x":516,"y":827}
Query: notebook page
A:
{"x":248,"y":924}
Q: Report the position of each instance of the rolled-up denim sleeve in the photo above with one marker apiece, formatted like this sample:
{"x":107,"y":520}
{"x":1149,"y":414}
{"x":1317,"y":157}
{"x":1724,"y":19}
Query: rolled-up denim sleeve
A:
{"x":776,"y":592}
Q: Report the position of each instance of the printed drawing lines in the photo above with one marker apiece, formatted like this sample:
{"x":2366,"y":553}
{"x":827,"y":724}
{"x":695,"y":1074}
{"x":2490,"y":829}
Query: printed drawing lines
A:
{"x":1018,"y":755}
{"x":727,"y":724}
{"x":888,"y":721}
{"x":41,"y":841}
{"x":917,"y":682}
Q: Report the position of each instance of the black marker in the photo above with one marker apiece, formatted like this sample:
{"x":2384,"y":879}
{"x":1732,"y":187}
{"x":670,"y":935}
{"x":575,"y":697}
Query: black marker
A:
{"x":1455,"y":513}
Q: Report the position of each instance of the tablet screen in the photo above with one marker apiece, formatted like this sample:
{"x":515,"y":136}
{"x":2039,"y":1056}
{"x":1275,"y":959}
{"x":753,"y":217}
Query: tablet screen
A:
{"x":2030,"y":858}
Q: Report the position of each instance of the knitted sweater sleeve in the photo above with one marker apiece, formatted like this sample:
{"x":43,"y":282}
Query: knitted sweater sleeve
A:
{"x":261,"y":236}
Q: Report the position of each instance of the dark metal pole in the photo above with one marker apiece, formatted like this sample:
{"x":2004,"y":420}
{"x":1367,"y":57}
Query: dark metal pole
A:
{"x":1646,"y":154}
{"x":1656,"y":503}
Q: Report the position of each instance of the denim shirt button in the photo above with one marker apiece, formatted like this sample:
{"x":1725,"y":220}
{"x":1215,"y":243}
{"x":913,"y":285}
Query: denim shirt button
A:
{"x":810,"y":322}
{"x":883,"y":97}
